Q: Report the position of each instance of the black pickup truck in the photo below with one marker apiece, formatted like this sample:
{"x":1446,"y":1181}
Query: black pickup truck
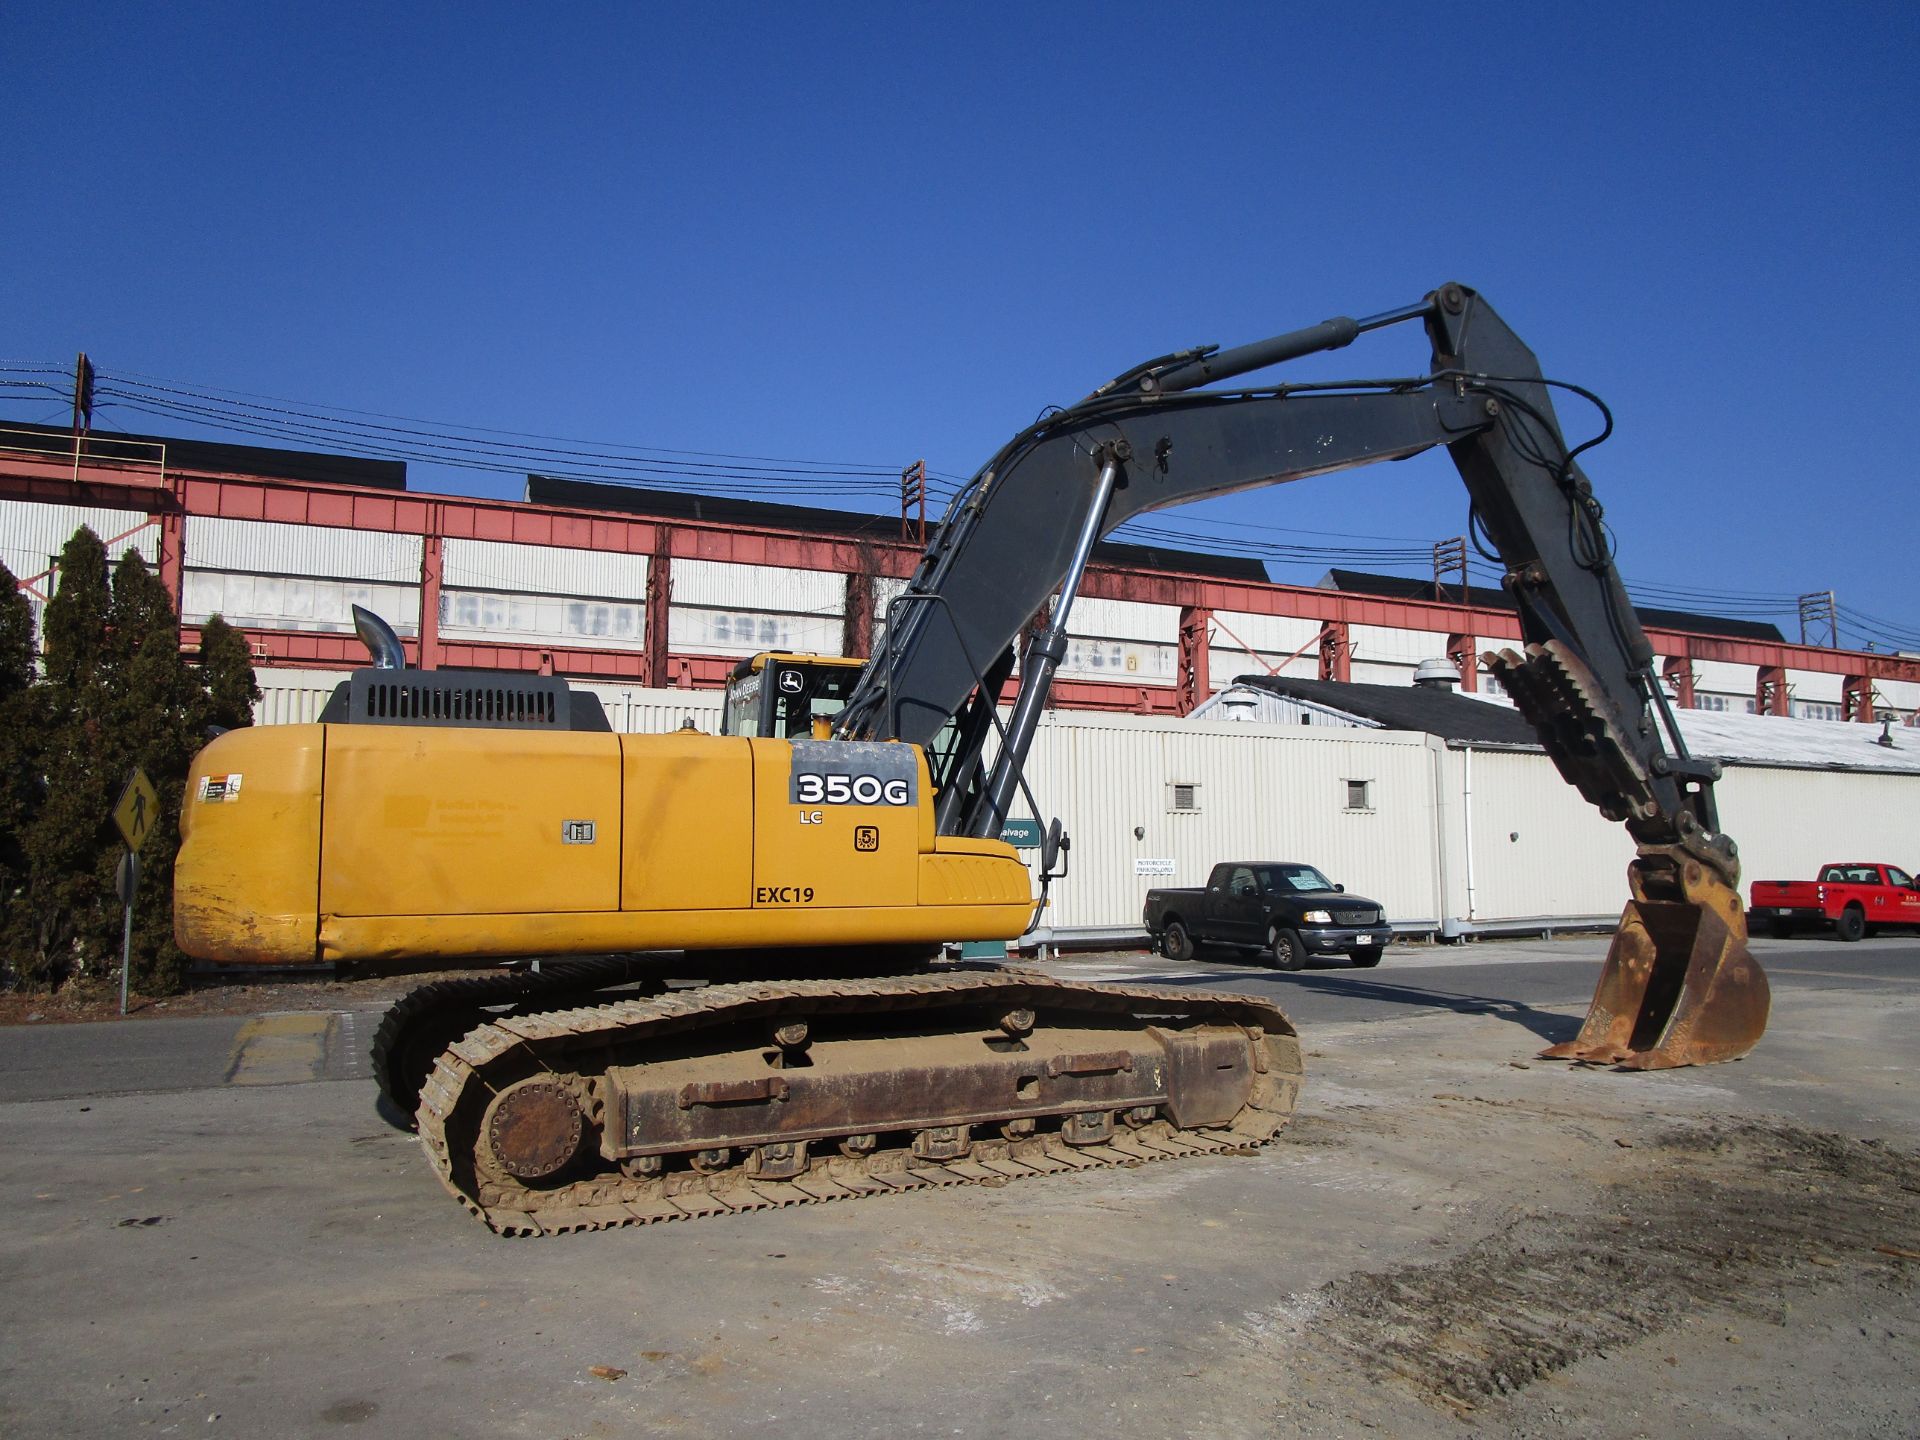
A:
{"x":1287,"y":909}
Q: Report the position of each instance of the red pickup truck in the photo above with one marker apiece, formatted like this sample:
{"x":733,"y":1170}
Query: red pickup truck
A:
{"x":1855,"y":899}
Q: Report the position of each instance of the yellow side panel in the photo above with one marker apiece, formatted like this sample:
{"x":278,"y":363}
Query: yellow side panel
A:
{"x":245,"y":881}
{"x":445,"y":821}
{"x":975,"y":872}
{"x":836,"y":824}
{"x":689,"y":822}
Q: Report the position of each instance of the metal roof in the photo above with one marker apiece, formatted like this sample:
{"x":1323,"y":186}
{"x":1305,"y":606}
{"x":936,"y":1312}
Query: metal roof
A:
{"x":1400,"y":587}
{"x":806,"y":520}
{"x":221,"y":457}
{"x":1773,"y":740}
{"x":1420,"y":708}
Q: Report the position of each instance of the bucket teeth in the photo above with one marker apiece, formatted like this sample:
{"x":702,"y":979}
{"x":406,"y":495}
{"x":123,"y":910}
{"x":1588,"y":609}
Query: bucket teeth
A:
{"x":1580,"y":726}
{"x":1543,"y":685}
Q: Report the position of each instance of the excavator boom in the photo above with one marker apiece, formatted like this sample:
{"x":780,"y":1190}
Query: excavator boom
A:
{"x":1680,"y":986}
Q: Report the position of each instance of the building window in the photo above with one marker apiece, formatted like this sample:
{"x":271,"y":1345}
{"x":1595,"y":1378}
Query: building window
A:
{"x":1359,"y":795}
{"x":1183,"y":795}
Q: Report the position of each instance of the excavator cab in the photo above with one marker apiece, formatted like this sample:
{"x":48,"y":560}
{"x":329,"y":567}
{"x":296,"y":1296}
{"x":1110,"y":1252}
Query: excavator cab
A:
{"x":778,"y":695}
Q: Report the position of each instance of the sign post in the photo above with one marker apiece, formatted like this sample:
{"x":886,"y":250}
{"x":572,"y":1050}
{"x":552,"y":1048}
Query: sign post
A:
{"x":135,"y":814}
{"x":126,"y":880}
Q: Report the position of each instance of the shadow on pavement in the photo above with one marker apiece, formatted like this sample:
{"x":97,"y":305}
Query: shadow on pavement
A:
{"x":1345,"y":981}
{"x":1548,"y":1026}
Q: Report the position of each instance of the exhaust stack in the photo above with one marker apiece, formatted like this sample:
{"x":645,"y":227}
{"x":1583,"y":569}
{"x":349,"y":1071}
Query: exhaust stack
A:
{"x":379,"y":638}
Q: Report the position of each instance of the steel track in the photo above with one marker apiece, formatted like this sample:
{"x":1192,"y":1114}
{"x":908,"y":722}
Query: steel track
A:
{"x":488,"y":1058}
{"x":456,"y":1006}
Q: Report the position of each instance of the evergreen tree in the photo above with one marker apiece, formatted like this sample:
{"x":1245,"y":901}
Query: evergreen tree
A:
{"x":156,"y":718}
{"x":69,"y":860}
{"x":226,"y":669}
{"x":117,"y":696}
{"x":16,"y":638}
{"x":21,"y":730}
{"x":76,"y":618}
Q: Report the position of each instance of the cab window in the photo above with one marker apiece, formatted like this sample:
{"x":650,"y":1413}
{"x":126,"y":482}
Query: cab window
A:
{"x":803,"y":694}
{"x":743,"y":707}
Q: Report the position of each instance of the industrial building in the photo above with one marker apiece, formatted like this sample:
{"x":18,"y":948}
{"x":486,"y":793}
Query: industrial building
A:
{"x":1156,"y":765}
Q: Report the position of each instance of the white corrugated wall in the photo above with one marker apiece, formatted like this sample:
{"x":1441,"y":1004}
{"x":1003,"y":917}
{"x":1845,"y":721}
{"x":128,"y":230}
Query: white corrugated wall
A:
{"x":1537,"y":849}
{"x":293,"y":697}
{"x":1722,"y":677}
{"x":1815,"y":685}
{"x":268,"y":575}
{"x":1276,"y":794}
{"x":1388,"y":645}
{"x":264,"y":547}
{"x":32,"y":535}
{"x":720,"y":608}
{"x":634,"y":710}
{"x":1790,"y":822}
{"x":1903,"y":694}
{"x":1125,"y":620}
{"x":295,"y":602}
{"x":1245,"y":644}
{"x":695,"y":630}
{"x":560,"y":570}
{"x":724,"y":585}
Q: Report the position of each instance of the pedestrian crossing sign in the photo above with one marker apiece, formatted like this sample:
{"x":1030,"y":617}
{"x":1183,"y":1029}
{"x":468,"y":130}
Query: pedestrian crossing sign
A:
{"x":138,"y":810}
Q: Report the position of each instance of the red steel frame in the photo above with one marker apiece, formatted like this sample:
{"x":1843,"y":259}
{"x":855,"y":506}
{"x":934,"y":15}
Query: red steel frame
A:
{"x":170,"y":497}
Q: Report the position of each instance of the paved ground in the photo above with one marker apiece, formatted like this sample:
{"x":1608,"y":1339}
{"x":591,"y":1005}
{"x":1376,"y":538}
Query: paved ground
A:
{"x":211,"y":1232}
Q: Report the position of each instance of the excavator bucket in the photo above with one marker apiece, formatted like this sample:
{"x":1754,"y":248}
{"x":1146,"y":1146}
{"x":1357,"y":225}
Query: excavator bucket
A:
{"x":1680,"y":986}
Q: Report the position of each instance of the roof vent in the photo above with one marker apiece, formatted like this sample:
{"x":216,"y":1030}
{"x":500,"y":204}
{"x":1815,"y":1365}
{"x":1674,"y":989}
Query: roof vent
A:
{"x":1436,"y":675}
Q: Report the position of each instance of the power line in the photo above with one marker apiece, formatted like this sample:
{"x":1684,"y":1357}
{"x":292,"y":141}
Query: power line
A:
{"x":383,"y":435}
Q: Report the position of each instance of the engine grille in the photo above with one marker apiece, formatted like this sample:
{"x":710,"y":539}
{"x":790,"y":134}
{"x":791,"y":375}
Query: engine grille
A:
{"x":470,"y":699}
{"x":1356,"y":917}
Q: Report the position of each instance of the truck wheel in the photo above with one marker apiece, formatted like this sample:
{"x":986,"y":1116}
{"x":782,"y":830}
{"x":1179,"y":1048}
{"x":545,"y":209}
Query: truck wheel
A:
{"x":1852,"y":923}
{"x":1176,"y":944}
{"x":1366,"y":959}
{"x":1285,"y":947}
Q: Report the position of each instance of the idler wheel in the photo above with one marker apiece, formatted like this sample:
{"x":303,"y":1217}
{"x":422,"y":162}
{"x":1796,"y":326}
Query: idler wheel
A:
{"x":534,"y":1129}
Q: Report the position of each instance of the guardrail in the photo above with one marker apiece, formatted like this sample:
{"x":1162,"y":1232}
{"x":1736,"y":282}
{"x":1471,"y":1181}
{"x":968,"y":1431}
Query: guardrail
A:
{"x":116,"y":450}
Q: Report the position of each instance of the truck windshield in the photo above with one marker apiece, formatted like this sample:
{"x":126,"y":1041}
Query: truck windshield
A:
{"x":1301,"y":879}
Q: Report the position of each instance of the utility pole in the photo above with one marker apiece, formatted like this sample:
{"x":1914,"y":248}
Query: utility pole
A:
{"x":1450,"y":556}
{"x":82,"y":402}
{"x":1819,"y":609}
{"x":913,"y":488}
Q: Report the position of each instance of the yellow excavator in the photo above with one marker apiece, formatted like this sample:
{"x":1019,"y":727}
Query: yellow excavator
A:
{"x":722,"y":988}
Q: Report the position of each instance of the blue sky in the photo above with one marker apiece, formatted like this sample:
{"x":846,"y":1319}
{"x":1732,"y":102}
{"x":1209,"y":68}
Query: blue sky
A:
{"x":873,"y":233}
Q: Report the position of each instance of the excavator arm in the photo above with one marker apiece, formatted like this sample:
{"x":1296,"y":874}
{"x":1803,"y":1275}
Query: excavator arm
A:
{"x":1679,"y":986}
